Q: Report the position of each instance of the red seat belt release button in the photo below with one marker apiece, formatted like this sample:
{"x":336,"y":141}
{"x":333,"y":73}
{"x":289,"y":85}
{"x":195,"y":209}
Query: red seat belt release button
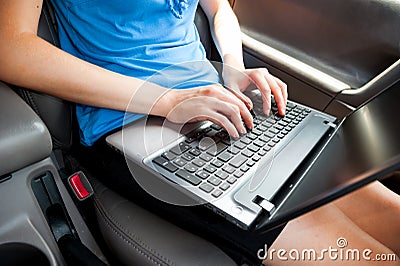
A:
{"x":80,"y":186}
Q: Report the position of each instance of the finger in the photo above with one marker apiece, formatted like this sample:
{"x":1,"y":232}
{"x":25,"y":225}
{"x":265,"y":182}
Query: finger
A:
{"x":229,"y":97}
{"x":249,"y":101}
{"x":258,"y":78}
{"x":283,"y":87}
{"x":224,"y":122}
{"x":241,"y":96}
{"x":233,"y":112}
{"x":277,"y":92}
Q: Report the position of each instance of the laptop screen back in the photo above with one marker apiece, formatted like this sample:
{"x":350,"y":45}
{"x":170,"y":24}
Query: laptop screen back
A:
{"x":365,"y":148}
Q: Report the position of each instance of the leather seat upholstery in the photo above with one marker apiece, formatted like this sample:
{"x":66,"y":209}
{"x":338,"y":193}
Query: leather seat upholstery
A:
{"x":134,"y":235}
{"x":138,"y":237}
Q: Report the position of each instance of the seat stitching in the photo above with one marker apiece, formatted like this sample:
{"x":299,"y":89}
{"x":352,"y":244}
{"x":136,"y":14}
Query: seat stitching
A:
{"x":114,"y":225}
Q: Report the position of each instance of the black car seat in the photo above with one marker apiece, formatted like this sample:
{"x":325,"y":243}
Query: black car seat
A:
{"x":134,"y":235}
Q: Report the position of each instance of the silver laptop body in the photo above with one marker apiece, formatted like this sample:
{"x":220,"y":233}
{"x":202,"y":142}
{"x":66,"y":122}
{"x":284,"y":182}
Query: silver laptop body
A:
{"x":152,"y":144}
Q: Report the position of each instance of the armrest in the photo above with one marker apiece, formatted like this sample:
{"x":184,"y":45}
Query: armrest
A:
{"x":24,"y":139}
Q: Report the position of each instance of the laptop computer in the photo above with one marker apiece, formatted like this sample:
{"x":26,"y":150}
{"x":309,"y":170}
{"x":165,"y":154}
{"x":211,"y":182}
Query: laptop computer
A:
{"x":251,"y":181}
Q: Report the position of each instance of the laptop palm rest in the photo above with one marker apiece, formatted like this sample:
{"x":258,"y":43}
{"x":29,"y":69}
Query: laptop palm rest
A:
{"x":269,"y":177}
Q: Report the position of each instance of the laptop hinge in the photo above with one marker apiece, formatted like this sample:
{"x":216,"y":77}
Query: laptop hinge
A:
{"x":331,"y":124}
{"x":266,"y":205}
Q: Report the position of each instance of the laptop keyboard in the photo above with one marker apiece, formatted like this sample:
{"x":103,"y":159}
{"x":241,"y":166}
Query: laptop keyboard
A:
{"x":212,"y":161}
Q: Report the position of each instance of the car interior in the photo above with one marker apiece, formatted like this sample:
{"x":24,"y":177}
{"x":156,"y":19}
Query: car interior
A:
{"x":334,"y":56}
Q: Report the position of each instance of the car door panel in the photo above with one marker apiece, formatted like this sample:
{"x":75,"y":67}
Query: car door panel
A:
{"x":351,"y":42}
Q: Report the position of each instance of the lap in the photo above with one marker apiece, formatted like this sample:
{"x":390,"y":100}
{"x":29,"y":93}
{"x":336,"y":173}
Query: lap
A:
{"x":321,"y":229}
{"x":111,"y":169}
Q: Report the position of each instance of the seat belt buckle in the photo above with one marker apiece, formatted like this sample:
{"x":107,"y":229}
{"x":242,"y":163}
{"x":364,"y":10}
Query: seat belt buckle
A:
{"x":80,"y":186}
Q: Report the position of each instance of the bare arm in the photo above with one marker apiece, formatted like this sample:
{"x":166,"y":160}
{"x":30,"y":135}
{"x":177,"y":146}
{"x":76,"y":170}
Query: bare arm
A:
{"x":29,"y":61}
{"x":227,"y":36}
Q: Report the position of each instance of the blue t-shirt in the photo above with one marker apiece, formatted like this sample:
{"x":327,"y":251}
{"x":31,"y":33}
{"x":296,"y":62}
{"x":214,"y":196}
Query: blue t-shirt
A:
{"x":138,"y":38}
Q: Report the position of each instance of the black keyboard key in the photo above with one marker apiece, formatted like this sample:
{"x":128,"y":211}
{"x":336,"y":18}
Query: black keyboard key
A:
{"x":271,"y":144}
{"x":291,"y":105}
{"x":240,"y":145}
{"x":202,"y":174}
{"x":269,"y":135}
{"x":164,"y":163}
{"x":216,"y":127}
{"x":181,"y":148}
{"x":168,"y":155}
{"x":214,"y":181}
{"x":238,"y":161}
{"x":280,"y":136}
{"x":206,"y":157}
{"x":229,"y":169}
{"x":287,"y":120}
{"x":250,"y":163}
{"x":252,"y":136}
{"x":206,"y":130}
{"x":267,"y":148}
{"x":206,"y":143}
{"x":257,"y":132}
{"x":257,"y":121}
{"x":245,"y":140}
{"x":221,"y":175}
{"x":222,"y":134}
{"x":273,"y":130}
{"x":256,"y":157}
{"x":185,"y":175}
{"x":180,"y":162}
{"x":259,"y":143}
{"x":198,"y":162}
{"x":195,"y":152}
{"x":264,"y":139}
{"x":233,"y":150}
{"x":262,"y":128}
{"x":217,"y":149}
{"x":267,"y":124}
{"x":229,"y":141}
{"x":253,"y":148}
{"x":224,"y":186}
{"x":244,"y":168}
{"x":209,"y":168}
{"x":247,"y":153}
{"x":262,"y":152}
{"x":283,"y":123}
{"x":217,"y":193}
{"x":232,"y":180}
{"x":191,"y":168}
{"x":184,"y":147}
{"x":238,"y":174}
{"x":225,"y":156}
{"x":276,"y":139}
{"x":191,"y":138}
{"x":217,"y":163}
{"x":187,"y":157}
{"x":206,"y":187}
{"x":271,"y":120}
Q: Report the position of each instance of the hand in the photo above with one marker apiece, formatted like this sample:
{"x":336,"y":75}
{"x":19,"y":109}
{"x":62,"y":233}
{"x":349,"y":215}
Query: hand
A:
{"x":213,"y":103}
{"x":265,"y":82}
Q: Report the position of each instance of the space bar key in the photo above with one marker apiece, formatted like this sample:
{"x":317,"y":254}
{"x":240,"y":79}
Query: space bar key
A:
{"x":185,"y":175}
